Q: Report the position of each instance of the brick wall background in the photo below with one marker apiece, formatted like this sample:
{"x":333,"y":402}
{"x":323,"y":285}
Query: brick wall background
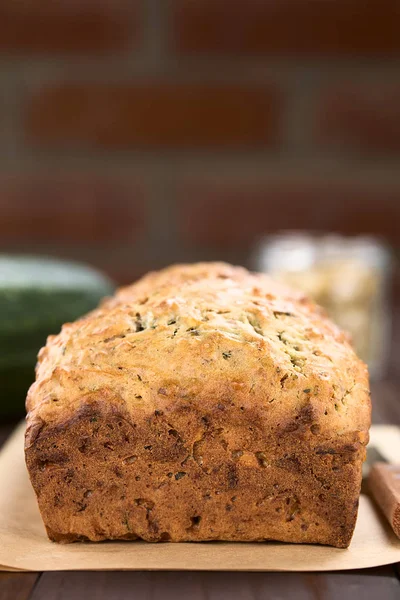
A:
{"x":137,"y":133}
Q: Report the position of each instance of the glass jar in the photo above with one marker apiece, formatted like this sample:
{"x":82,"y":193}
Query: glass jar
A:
{"x":348,"y":276}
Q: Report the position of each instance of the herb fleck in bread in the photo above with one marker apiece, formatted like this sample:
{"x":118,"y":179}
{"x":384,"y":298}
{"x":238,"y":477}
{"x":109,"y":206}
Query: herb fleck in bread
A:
{"x":200,"y":403}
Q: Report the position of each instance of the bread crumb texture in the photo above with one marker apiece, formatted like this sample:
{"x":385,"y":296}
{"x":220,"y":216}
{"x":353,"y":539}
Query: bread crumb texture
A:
{"x":203,"y":402}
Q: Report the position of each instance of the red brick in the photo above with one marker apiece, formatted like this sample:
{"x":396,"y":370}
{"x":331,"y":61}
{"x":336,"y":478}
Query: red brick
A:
{"x":118,"y":266}
{"x":344,"y":27}
{"x":153,"y":116}
{"x":67,"y":26}
{"x":124,"y":274}
{"x":68,"y":209}
{"x":234,"y":215}
{"x":360,"y":117}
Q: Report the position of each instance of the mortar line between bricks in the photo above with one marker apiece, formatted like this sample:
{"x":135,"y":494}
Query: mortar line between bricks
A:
{"x":140,"y":62}
{"x":233,"y":168}
{"x":156,"y":30}
{"x":300,"y":112}
{"x":11,"y":105}
{"x":290,"y":153}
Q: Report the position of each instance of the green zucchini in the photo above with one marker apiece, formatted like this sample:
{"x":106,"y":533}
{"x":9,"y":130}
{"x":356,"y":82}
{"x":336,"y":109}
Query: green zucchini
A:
{"x":38,"y":295}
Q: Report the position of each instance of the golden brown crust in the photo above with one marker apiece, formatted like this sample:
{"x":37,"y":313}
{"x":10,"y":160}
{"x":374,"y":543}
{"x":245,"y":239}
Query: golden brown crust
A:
{"x":202,"y":402}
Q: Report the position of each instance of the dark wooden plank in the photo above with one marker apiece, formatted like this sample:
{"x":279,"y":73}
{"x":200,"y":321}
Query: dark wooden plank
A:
{"x":172,"y":586}
{"x":17,"y":586}
{"x":368,"y":584}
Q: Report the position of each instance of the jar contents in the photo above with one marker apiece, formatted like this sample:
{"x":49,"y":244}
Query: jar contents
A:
{"x":346,"y":276}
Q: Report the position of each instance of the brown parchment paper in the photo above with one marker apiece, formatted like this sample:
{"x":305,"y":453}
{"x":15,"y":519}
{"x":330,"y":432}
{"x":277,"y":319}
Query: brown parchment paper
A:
{"x":24,"y":545}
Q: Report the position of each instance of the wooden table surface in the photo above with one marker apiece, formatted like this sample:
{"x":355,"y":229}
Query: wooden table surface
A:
{"x":381,"y":583}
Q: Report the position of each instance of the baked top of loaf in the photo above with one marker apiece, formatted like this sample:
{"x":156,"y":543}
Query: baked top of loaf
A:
{"x":208,"y":332}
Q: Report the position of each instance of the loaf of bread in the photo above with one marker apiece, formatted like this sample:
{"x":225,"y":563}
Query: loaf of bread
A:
{"x":201,"y":403}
